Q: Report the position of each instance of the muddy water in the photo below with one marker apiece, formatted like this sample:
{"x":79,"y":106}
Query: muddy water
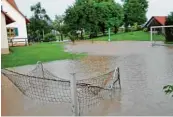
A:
{"x":144,"y":71}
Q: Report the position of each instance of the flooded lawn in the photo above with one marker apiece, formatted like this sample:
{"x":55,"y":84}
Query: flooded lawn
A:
{"x":144,"y":71}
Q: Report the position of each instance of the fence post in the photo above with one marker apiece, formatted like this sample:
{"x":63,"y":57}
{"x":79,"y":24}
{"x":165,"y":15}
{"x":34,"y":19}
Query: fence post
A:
{"x":25,"y":42}
{"x":118,"y":70}
{"x":75,"y":108}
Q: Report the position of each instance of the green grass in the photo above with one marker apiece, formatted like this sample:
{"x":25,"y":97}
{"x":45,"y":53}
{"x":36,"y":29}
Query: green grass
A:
{"x":37,"y":52}
{"x":131,"y":36}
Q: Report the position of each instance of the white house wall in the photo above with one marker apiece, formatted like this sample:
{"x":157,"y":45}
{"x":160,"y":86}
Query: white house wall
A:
{"x":4,"y":41}
{"x":19,"y":23}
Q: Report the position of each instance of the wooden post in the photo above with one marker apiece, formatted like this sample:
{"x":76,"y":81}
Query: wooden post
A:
{"x":75,"y":108}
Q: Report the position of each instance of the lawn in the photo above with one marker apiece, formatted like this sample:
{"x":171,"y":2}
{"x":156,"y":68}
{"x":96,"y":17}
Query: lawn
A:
{"x":37,"y":52}
{"x":131,"y":36}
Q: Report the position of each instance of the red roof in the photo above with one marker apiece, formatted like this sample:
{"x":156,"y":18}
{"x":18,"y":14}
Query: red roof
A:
{"x":12,"y":3}
{"x":161,"y":19}
{"x":8,"y":19}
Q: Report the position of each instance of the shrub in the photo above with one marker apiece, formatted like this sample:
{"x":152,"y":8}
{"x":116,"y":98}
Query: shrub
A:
{"x":145,"y":29}
{"x":72,"y":37}
{"x":134,"y":27}
{"x":115,"y":30}
{"x":49,"y":37}
{"x":139,"y":27}
{"x":93,"y":35}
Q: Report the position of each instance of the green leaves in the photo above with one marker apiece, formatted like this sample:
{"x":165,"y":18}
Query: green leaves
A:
{"x":168,"y":89}
{"x":135,"y":11}
{"x":39,"y":23}
{"x":94,"y":15}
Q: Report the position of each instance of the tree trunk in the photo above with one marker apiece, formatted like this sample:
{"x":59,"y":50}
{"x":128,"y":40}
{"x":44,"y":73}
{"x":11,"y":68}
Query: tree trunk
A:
{"x":61,"y":37}
{"x":115,"y":29}
{"x":81,"y":35}
{"x":126,"y":27}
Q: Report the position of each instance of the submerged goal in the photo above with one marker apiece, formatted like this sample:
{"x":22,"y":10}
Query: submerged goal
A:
{"x":42,"y":85}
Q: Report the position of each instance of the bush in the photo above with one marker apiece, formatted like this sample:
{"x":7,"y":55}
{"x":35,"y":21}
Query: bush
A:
{"x":145,"y":29}
{"x":72,"y":36}
{"x":49,"y":37}
{"x":136,"y":27}
{"x":93,"y":35}
{"x":169,"y":31}
{"x":115,"y":30}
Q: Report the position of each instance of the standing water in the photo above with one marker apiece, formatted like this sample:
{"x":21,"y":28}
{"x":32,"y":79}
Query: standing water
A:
{"x":144,"y":70}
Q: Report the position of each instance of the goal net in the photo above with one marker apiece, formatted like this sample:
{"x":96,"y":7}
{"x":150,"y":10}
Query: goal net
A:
{"x":158,"y":34}
{"x":84,"y":95}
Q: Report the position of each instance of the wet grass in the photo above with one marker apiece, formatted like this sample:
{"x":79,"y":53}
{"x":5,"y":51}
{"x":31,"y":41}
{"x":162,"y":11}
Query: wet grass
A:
{"x":131,"y":36}
{"x":37,"y":52}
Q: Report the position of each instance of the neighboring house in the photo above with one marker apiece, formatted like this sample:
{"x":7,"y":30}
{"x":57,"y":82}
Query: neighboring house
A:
{"x":5,"y":20}
{"x":16,"y":31}
{"x":156,"y":21}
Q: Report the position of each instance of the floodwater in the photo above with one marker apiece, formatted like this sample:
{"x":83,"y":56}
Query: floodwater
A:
{"x":144,"y":70}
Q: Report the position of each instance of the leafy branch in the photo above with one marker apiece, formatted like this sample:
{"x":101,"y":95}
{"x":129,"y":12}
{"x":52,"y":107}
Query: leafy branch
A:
{"x":168,"y":89}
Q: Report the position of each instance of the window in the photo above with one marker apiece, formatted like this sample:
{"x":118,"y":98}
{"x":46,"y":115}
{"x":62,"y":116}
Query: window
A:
{"x":12,"y":32}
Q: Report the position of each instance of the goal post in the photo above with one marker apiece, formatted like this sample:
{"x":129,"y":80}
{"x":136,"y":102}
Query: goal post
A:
{"x":157,"y":33}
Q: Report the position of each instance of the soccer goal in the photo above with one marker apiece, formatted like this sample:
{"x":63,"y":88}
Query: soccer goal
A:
{"x":157,"y":34}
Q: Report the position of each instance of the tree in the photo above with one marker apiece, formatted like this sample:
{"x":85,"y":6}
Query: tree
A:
{"x":39,"y":23}
{"x":93,"y":16}
{"x":169,"y":31}
{"x":58,"y":25}
{"x":80,"y":17}
{"x":135,"y":12}
{"x":109,"y":14}
{"x":39,"y":12}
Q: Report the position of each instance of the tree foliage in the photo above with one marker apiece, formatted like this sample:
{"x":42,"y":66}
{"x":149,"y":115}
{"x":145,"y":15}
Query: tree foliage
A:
{"x":39,"y":22}
{"x":169,"y":31}
{"x":49,"y":37}
{"x":94,"y":15}
{"x":135,"y":12}
{"x":60,"y":26}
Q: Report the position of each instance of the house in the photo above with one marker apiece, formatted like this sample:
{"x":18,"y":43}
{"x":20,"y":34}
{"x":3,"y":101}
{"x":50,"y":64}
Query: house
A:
{"x":16,"y":31}
{"x":156,"y":21}
{"x":5,"y":20}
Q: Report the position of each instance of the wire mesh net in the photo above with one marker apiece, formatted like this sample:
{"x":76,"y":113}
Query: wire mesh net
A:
{"x":43,"y":85}
{"x":92,"y":91}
